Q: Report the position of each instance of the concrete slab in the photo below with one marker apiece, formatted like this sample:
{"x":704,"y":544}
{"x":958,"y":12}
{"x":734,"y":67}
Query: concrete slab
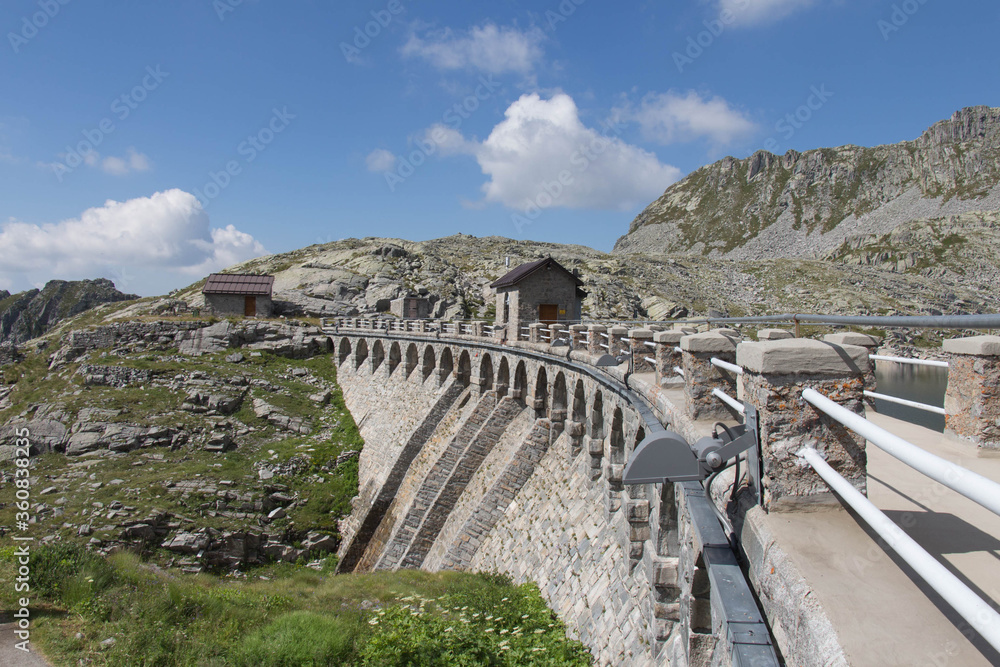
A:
{"x":982,"y":346}
{"x":852,"y":338}
{"x":710,"y":341}
{"x":881,"y":615}
{"x":801,"y":355}
{"x":774,"y":334}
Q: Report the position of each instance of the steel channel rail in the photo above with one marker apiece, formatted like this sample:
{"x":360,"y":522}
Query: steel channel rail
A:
{"x":903,"y":401}
{"x":970,"y":606}
{"x":972,"y":485}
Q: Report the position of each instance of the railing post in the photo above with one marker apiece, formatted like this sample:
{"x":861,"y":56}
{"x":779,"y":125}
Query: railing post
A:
{"x":578,"y":336}
{"x":555,"y":332}
{"x":972,"y":400}
{"x":477,"y":329}
{"x":640,"y":351}
{"x":701,"y":377}
{"x":775,"y":373}
{"x":535,"y":332}
{"x":667,"y":357}
{"x":616,"y":338}
{"x":596,"y":339}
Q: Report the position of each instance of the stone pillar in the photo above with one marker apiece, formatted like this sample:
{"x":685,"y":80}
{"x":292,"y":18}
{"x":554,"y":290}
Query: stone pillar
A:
{"x":637,"y":513}
{"x":595,"y":447}
{"x":972,"y":400}
{"x":640,"y":351}
{"x":575,"y":431}
{"x":578,"y":336}
{"x":775,"y":373}
{"x":616,"y":340}
{"x":596,"y":339}
{"x":556,"y":332}
{"x":774,"y":334}
{"x":701,"y":377}
{"x":667,"y":357}
{"x":535,"y":332}
{"x":476,"y":328}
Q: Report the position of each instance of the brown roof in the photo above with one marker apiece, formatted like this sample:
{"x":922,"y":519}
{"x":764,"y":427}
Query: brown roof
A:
{"x":525,"y":270}
{"x":238,"y":283}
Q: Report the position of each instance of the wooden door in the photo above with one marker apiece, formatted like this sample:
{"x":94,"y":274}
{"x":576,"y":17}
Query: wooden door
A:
{"x":250,"y":306}
{"x":548,"y":313}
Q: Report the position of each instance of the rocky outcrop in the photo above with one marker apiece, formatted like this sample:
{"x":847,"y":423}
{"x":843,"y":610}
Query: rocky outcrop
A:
{"x":807,"y":204}
{"x":30,"y":314}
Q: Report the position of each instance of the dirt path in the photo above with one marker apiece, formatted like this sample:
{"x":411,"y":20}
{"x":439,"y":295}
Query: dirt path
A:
{"x":13,"y":657}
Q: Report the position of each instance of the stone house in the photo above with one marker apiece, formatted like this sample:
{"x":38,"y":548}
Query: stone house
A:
{"x":239,"y":294}
{"x":539,"y":291}
{"x":411,"y":308}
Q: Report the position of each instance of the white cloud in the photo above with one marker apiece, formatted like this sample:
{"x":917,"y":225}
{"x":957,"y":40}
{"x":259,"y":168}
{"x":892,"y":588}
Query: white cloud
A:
{"x":760,"y":12}
{"x":542,"y":155}
{"x":380,"y":160}
{"x":167,"y":232}
{"x":121,"y":166}
{"x":487,"y":48}
{"x":672,"y":117}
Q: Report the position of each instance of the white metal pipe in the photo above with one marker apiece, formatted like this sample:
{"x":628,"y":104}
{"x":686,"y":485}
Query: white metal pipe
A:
{"x":679,"y":370}
{"x":905,"y":360}
{"x":903,"y":401}
{"x":729,"y":400}
{"x":970,"y":606}
{"x":678,"y":349}
{"x":648,"y":344}
{"x":726,"y":365}
{"x":605,"y":335}
{"x":649,"y":359}
{"x":604,"y":346}
{"x":973,"y":486}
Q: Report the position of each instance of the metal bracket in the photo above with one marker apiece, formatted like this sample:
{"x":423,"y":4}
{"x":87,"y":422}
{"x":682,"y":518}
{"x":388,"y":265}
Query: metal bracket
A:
{"x":755,"y":464}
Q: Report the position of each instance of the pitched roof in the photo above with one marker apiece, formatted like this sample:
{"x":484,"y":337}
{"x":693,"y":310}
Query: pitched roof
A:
{"x":238,"y":283}
{"x":525,"y":270}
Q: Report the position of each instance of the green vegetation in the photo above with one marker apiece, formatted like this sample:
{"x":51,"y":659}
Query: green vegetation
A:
{"x":302,"y":618}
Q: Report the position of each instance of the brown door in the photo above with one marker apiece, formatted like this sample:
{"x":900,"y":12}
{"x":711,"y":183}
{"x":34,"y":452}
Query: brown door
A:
{"x":250,"y":306}
{"x":548,"y":313}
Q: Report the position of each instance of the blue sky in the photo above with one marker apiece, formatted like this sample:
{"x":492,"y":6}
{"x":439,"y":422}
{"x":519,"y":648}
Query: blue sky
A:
{"x":154,"y":142}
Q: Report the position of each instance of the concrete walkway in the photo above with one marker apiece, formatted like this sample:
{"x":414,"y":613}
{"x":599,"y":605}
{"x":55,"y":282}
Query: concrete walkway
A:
{"x":12,"y":657}
{"x":882,"y":614}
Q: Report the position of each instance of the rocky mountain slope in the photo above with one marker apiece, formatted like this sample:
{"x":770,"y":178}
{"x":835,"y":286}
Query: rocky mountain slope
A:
{"x":807,"y":204}
{"x":30,"y":314}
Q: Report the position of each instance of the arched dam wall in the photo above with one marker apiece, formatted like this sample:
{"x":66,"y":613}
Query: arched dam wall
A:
{"x":501,"y":459}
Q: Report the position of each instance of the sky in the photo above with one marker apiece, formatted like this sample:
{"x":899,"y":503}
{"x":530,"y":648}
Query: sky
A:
{"x":155,"y":142}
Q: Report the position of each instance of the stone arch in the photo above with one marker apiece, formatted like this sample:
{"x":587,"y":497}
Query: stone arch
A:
{"x":360,"y":353}
{"x":520,"y":388}
{"x":616,"y":440}
{"x":446,"y":364}
{"x":464,"y":368}
{"x":557,"y":411}
{"x":579,"y":403}
{"x":486,"y":373}
{"x":395,"y":357}
{"x":503,"y":377}
{"x":378,"y":355}
{"x":344,"y":352}
{"x":430,"y":361}
{"x":412,"y":357}
{"x":540,"y":396}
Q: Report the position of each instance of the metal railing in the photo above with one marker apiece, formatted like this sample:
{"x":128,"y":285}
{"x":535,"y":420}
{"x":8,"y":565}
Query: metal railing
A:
{"x":729,"y":400}
{"x":733,"y":368}
{"x":953,"y":590}
{"x":907,"y":360}
{"x":973,"y":486}
{"x":902,"y":401}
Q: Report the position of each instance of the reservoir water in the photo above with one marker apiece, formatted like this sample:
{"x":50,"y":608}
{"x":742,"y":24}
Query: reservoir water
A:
{"x":925,"y":384}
